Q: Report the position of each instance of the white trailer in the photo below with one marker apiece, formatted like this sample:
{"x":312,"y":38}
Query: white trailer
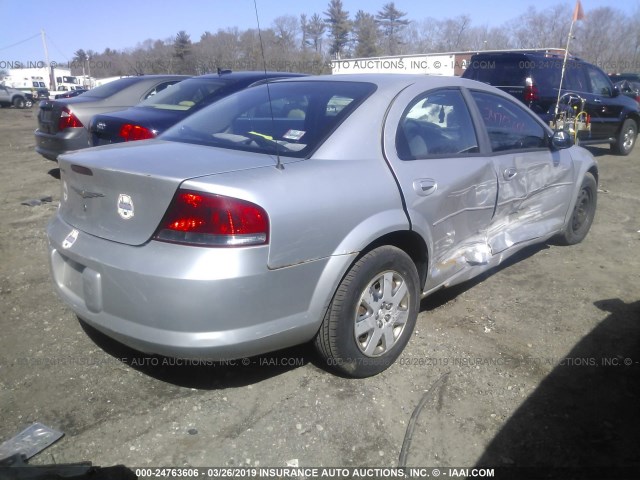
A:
{"x":57,"y":80}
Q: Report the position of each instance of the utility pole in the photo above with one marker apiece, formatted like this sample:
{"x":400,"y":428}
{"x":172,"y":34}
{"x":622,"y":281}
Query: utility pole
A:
{"x":52,"y":84}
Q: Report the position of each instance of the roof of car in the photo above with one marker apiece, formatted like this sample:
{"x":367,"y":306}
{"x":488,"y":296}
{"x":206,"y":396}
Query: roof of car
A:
{"x":526,"y":54}
{"x":156,"y":75}
{"x":250,"y":74}
{"x":394,"y":80}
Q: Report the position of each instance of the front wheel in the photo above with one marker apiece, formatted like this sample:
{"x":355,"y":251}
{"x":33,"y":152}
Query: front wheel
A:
{"x":583,"y":212}
{"x":18,"y":102}
{"x":372,"y":314}
{"x":626,"y":138}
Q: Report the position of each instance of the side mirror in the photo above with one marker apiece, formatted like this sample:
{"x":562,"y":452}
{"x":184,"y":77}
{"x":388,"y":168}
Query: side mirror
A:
{"x":561,"y":139}
{"x":616,"y":91}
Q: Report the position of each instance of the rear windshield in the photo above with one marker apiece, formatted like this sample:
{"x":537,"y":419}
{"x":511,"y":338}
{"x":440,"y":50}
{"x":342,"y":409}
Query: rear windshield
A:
{"x":185,"y":95}
{"x":498,"y":72}
{"x":111,"y":88}
{"x":285,"y":118}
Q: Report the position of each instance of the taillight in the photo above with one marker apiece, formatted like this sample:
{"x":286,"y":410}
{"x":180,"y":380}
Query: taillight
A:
{"x":132,"y":133}
{"x":531,"y":93}
{"x":196,"y":218}
{"x":68,"y":120}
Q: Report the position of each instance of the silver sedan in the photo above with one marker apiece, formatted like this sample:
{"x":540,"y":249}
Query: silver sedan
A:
{"x":315,"y":209}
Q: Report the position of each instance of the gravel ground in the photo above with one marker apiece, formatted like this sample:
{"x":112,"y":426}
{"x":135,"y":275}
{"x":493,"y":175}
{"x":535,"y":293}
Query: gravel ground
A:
{"x":535,"y":364}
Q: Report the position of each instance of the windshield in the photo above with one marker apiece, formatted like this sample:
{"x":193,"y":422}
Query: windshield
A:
{"x":288,"y":118}
{"x":185,"y":95}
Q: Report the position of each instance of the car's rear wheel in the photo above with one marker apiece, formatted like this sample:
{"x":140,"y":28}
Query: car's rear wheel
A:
{"x":372,"y":314}
{"x":19,"y":102}
{"x":583,"y":212}
{"x":626,"y":138}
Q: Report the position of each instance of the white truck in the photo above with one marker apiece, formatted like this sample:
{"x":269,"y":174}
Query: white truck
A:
{"x":32,"y":84}
{"x":56,"y":80}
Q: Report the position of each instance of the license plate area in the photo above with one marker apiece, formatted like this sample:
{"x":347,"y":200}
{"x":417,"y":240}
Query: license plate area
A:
{"x":81,"y":282}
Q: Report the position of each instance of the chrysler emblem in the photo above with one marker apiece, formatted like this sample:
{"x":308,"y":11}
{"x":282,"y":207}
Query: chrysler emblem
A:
{"x":125,"y":206}
{"x":85,"y":193}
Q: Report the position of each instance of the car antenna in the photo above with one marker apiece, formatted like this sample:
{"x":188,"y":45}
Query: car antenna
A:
{"x":279,"y":164}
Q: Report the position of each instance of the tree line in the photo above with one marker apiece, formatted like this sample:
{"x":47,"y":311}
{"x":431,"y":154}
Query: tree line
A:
{"x":307,"y":43}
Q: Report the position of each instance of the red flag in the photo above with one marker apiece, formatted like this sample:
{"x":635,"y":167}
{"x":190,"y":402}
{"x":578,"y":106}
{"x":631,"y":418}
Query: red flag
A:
{"x":578,"y":13}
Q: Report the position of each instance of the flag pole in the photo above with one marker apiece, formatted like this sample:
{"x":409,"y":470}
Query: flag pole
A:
{"x":578,"y":14}
{"x":564,"y":66}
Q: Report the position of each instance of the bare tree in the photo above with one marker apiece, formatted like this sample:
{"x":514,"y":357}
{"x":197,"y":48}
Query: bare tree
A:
{"x":452,"y":34}
{"x":595,"y":35}
{"x":420,"y":36}
{"x":286,"y":29}
{"x":485,"y":38}
{"x":541,"y":29}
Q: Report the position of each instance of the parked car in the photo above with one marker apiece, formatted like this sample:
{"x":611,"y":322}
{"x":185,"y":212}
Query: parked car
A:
{"x":628,"y":88}
{"x":40,"y":94}
{"x":63,"y":125}
{"x":244,"y":229}
{"x":14,"y":97}
{"x":619,"y":77}
{"x":534,"y":78}
{"x":71,"y":93}
{"x":154,"y":115}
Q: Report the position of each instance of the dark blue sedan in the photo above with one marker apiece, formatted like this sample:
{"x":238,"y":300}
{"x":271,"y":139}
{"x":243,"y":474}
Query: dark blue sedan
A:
{"x":163,"y":110}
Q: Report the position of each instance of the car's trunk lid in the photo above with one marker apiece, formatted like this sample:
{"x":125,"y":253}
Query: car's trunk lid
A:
{"x":50,"y":111}
{"x":122,"y":192}
{"x":49,"y":116}
{"x":105,"y":128}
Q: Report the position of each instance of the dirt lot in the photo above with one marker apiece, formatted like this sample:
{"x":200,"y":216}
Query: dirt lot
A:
{"x":536,"y":364}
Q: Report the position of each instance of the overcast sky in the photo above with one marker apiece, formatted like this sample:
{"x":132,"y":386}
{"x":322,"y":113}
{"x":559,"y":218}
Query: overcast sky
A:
{"x":119,"y":24}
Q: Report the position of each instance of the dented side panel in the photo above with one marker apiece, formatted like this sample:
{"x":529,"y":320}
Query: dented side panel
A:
{"x":534,"y":192}
{"x":456,"y":216}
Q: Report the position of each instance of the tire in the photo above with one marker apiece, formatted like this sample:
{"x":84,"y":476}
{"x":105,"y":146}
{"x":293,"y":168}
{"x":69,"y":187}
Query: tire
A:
{"x":372,"y":314}
{"x":583,"y":212}
{"x":18,"y":102}
{"x":626,"y":139}
{"x":28,"y":103}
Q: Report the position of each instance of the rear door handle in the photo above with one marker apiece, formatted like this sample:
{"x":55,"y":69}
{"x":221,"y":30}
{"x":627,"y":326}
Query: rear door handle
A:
{"x":425,"y":186}
{"x":510,"y":173}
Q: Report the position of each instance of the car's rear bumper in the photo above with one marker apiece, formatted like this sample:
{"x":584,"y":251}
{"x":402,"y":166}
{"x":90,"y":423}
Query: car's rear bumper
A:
{"x":191,"y":302}
{"x":51,"y":146}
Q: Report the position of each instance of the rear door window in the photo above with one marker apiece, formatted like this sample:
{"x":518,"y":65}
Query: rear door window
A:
{"x":434,"y":124}
{"x":160,"y":87}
